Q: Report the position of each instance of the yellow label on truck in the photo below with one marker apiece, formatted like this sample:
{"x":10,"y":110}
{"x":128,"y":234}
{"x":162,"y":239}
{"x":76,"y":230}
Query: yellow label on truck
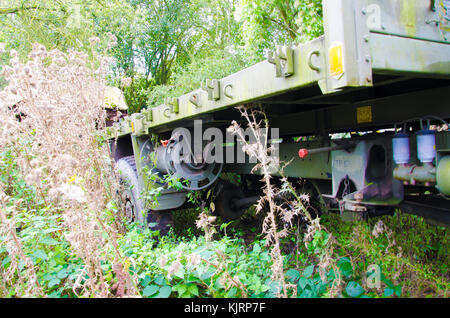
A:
{"x":336,"y":57}
{"x":364,"y":114}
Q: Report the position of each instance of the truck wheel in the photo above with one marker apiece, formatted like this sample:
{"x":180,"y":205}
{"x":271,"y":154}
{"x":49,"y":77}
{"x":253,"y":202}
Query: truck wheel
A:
{"x":227,"y":192}
{"x":134,"y":206}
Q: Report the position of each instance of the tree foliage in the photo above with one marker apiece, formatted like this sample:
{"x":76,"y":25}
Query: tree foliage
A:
{"x":164,"y":46}
{"x":270,"y":22}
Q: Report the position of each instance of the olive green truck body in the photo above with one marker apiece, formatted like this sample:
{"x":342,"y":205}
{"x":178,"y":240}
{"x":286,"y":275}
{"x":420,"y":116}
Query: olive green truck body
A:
{"x":380,"y":75}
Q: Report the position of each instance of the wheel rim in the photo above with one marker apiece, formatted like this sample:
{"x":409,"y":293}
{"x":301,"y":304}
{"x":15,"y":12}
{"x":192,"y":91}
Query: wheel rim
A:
{"x":129,"y":210}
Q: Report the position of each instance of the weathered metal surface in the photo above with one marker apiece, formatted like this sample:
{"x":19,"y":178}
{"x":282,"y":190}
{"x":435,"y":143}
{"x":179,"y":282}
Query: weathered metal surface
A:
{"x":251,"y":84}
{"x":353,"y":50}
{"x":169,"y":198}
{"x":393,"y":54}
{"x":435,"y":211}
{"x":349,"y":63}
{"x":369,"y":167}
{"x":418,"y":19}
{"x":443,"y":175}
{"x":384,"y":111}
{"x":316,"y":166}
{"x":256,"y":82}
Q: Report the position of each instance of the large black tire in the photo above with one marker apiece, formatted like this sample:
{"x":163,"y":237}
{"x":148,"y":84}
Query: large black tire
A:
{"x":134,"y":205}
{"x":227,"y":192}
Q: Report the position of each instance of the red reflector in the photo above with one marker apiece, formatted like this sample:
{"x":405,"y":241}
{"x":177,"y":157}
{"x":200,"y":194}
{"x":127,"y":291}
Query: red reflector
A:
{"x":303,"y":153}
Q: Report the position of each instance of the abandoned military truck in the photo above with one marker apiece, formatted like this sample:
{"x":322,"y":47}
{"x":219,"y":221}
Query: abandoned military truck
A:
{"x":360,"y":115}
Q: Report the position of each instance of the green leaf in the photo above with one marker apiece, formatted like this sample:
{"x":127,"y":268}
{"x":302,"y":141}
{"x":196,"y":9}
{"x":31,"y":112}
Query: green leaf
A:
{"x":53,"y":282}
{"x":354,"y":289}
{"x":256,"y":248}
{"x":160,"y":280}
{"x":62,"y":274}
{"x":398,"y":290}
{"x":144,"y":282}
{"x":150,"y":290}
{"x":40,"y":254}
{"x":193,"y":289}
{"x":232,"y":292}
{"x":164,"y":292}
{"x":49,"y":241}
{"x":292,"y":275}
{"x":302,"y":282}
{"x":180,"y":289}
{"x":308,"y":271}
{"x":388,"y":291}
{"x":345,"y":267}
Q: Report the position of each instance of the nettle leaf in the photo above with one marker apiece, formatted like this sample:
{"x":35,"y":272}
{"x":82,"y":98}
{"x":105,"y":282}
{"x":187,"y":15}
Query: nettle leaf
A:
{"x":309,"y":291}
{"x":40,"y":254}
{"x":302,"y":282}
{"x":354,"y":289}
{"x":345,"y":266}
{"x":53,"y":282}
{"x":49,"y":241}
{"x":146,"y":280}
{"x":150,"y":290}
{"x":308,"y":271}
{"x":193,"y":289}
{"x":164,"y":292}
{"x":292,"y":275}
{"x":62,"y":274}
{"x":256,"y":248}
{"x":398,"y":290}
{"x":388,"y":292}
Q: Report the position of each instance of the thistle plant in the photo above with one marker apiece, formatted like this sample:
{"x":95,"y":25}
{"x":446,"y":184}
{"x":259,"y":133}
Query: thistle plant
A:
{"x":51,"y":119}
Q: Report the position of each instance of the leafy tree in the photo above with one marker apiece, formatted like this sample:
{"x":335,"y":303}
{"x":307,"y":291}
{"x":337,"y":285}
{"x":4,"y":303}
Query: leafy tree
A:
{"x":56,"y":24}
{"x":270,"y":22}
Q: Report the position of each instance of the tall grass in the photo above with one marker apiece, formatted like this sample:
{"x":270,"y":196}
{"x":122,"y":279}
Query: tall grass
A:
{"x":51,"y":118}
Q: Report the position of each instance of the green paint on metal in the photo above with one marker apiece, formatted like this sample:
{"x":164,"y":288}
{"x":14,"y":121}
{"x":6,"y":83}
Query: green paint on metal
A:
{"x":408,"y":17}
{"x":443,"y":175}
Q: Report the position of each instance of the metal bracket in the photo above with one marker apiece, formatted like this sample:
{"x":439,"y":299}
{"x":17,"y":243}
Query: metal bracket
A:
{"x":148,"y":114}
{"x":311,"y":64}
{"x":139,"y":124}
{"x":173,"y":106}
{"x":283,"y":60}
{"x":227,"y":91}
{"x":212,"y":87}
{"x":194,"y":98}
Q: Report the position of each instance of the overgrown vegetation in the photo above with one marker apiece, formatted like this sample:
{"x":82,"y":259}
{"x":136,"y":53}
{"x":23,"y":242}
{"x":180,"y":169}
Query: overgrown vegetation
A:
{"x":164,"y":48}
{"x":62,"y":231}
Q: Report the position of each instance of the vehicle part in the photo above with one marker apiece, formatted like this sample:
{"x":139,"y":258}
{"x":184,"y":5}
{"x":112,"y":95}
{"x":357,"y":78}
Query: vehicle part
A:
{"x":135,"y":209}
{"x":177,"y":160}
{"x":443,"y":175}
{"x":230,"y":201}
